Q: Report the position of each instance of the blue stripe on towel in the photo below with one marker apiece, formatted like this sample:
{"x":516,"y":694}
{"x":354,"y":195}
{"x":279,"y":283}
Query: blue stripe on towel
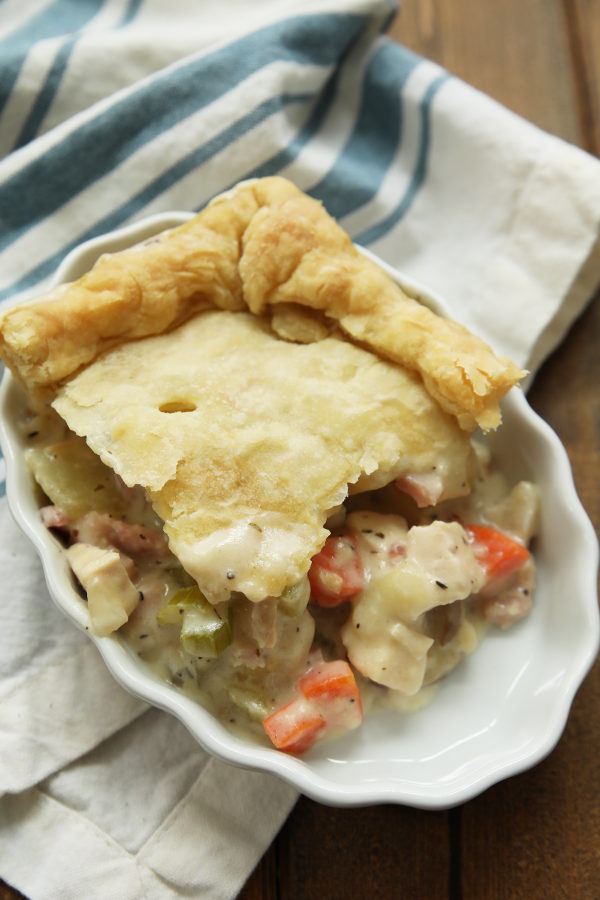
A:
{"x":284,"y":157}
{"x":55,"y":76}
{"x":360,"y":168}
{"x":47,"y":94}
{"x":61,"y":17}
{"x":89,"y":153}
{"x":369,"y":235}
{"x":133,"y":7}
{"x":169,"y":177}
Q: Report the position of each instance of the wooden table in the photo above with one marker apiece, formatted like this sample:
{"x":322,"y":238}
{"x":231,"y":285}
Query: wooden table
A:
{"x":538,"y":834}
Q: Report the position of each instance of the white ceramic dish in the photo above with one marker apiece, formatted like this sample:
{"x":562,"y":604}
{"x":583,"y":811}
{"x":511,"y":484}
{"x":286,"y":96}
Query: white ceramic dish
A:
{"x":499,"y":713}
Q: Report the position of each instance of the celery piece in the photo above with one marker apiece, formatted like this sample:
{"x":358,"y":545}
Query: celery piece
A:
{"x":172,"y":612}
{"x":203,"y":631}
{"x":294,"y":599}
{"x":249,"y":701}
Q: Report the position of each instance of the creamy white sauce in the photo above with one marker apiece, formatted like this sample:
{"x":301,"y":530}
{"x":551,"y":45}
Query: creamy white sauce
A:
{"x":245,"y":557}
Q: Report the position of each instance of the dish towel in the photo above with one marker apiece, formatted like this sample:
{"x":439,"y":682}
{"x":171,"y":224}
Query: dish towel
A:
{"x":111,"y":111}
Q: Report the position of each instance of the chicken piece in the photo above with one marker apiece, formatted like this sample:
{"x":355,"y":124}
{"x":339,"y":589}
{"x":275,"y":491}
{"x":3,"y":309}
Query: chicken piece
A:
{"x":111,"y":595}
{"x":384,"y":635}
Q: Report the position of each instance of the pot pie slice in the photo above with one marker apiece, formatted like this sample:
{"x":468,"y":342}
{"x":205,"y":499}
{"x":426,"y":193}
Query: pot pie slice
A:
{"x":258,"y":452}
{"x":247,"y":370}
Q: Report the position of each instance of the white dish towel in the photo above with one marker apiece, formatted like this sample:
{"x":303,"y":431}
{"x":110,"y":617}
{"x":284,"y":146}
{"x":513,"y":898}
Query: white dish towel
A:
{"x":114,"y":110}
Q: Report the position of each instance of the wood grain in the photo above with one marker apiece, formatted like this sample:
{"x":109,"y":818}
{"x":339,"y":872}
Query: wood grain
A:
{"x":356,"y":852}
{"x":583,"y":21}
{"x":517,"y":52}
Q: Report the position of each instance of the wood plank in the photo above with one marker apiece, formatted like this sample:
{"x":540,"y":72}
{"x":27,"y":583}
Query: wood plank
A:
{"x":360,"y":853}
{"x":517,"y":52}
{"x":583,"y":18}
{"x":363,"y":853}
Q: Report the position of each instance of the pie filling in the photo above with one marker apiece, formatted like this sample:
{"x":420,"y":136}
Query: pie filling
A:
{"x":399,"y":593}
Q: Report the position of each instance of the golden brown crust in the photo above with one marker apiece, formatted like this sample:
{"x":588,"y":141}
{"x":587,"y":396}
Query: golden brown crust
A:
{"x":263,"y":244}
{"x":296,"y":253}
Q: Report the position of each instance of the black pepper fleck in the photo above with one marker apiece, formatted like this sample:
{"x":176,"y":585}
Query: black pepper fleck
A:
{"x":141,"y":595}
{"x":379,"y":534}
{"x":441,"y":585}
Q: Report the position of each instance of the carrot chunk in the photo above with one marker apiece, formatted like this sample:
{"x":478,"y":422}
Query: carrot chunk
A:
{"x":497,"y":553}
{"x":292,"y":728}
{"x":330,"y":680}
{"x":336,"y":572}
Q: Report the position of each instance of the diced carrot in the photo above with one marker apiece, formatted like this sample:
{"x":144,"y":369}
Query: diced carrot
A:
{"x":292,"y":728}
{"x":330,"y":680}
{"x":497,"y":553}
{"x":336,"y":572}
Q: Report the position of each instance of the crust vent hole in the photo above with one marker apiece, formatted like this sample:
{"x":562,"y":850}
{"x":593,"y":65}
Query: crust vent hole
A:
{"x":172,"y":406}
